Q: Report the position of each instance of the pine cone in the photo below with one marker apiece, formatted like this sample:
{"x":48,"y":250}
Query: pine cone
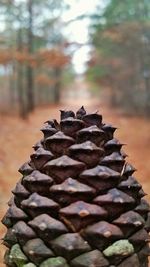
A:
{"x":77,"y":203}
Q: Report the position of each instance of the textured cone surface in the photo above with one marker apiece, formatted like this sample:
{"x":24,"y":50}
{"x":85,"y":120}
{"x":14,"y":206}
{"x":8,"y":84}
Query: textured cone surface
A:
{"x":77,"y":203}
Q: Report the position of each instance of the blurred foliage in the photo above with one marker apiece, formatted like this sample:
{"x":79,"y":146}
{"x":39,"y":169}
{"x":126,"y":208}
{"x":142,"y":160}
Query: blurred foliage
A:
{"x":120,"y":59}
{"x":33,"y":53}
{"x":68,"y":76}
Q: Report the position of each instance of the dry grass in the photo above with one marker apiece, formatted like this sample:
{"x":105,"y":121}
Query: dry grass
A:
{"x":17,"y":138}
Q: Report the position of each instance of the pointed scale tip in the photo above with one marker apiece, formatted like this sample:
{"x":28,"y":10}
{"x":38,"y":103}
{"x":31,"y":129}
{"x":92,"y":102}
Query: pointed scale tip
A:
{"x":64,"y":114}
{"x":81,"y":112}
{"x":82,"y":108}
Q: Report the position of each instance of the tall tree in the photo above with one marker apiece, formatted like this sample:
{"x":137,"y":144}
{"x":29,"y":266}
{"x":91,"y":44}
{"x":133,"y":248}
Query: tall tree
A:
{"x":30,"y":44}
{"x":20,"y":85}
{"x":32,"y":27}
{"x":122,"y":47}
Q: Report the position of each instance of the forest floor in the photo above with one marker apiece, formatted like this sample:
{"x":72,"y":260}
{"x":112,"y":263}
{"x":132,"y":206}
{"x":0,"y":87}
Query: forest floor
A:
{"x":18,"y":136}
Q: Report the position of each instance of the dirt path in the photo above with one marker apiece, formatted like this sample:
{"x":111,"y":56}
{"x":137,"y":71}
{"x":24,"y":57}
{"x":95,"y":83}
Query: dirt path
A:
{"x":17,"y":138}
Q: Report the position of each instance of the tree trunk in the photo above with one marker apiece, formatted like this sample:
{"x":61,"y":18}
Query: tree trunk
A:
{"x":22,"y":107}
{"x":147,"y":89}
{"x":57,"y":86}
{"x":113,"y":92}
{"x":29,"y":73}
{"x":11,"y":86}
{"x":21,"y":97}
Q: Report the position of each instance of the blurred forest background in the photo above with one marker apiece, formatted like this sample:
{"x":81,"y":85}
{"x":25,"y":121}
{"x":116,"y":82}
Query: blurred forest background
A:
{"x":120,"y":59}
{"x":97,"y":56}
{"x":36,"y":56}
{"x":33,"y":54}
